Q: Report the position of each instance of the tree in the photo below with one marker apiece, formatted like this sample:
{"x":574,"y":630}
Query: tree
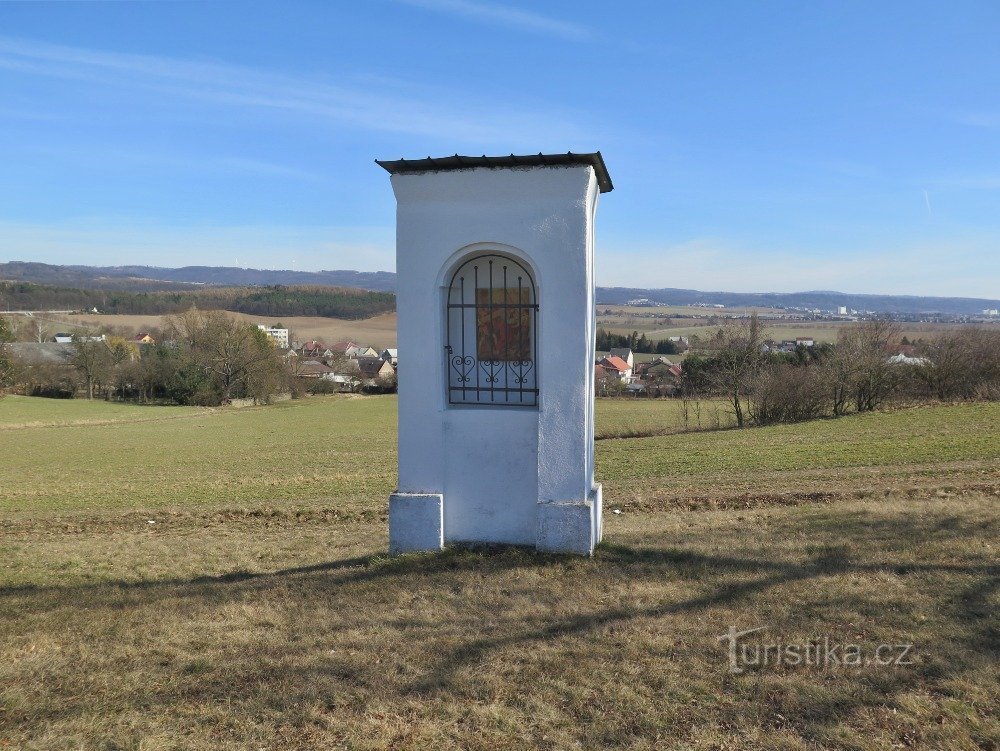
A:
{"x":738,"y":362}
{"x":93,"y":359}
{"x":6,"y":366}
{"x":963,"y":363}
{"x":38,"y":330}
{"x":236,"y":359}
{"x":860,"y":367}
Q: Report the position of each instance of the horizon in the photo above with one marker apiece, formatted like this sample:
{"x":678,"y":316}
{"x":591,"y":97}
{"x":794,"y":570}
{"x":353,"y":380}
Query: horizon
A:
{"x":603,"y":286}
{"x":781,"y":148}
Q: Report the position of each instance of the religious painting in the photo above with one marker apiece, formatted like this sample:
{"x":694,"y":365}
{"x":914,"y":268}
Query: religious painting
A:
{"x":503,"y":324}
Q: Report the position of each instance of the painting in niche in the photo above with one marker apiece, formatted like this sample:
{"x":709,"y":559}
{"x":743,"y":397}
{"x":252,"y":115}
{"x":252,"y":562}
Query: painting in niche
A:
{"x":503,"y":333}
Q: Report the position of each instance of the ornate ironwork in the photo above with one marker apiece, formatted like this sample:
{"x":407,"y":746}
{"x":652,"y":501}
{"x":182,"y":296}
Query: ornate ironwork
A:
{"x":491,"y":346}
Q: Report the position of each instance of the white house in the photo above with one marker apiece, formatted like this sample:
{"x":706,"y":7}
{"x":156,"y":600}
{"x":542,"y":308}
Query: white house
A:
{"x":625,"y":354}
{"x":278,"y":336}
{"x":902,"y":359}
{"x":616,"y":365}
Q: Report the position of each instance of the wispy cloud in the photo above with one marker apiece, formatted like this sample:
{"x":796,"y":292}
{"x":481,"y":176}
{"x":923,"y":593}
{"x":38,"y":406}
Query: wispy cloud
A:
{"x":505,"y":15}
{"x":975,"y":118}
{"x":99,"y":156}
{"x":374,"y":105}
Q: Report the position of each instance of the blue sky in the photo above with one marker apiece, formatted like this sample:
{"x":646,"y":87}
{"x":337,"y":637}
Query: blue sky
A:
{"x":754,"y":146}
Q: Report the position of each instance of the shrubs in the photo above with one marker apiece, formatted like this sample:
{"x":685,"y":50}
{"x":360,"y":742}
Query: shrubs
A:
{"x":858,"y":374}
{"x":790,"y":393}
{"x":964,"y":364}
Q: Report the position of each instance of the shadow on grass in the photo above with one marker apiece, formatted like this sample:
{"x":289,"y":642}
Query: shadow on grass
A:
{"x":470,"y":625}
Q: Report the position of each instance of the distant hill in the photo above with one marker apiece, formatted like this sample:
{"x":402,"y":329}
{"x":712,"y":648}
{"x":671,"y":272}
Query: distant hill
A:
{"x":155,"y":278}
{"x":273,"y":300}
{"x":822,"y":300}
{"x":152,"y":278}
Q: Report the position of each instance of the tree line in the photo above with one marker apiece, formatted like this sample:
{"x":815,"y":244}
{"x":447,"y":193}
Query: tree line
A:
{"x":635,"y":341}
{"x":331,"y":302}
{"x":211,"y":359}
{"x":857,"y":374}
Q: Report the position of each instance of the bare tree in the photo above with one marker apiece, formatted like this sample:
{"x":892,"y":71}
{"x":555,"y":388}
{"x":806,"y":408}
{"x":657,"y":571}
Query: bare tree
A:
{"x":738,"y":363}
{"x":38,"y":330}
{"x":860,"y":366}
{"x":93,"y":359}
{"x":962,"y":362}
{"x":6,"y":365}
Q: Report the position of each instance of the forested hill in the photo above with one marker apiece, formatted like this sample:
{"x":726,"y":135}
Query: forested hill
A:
{"x":151,"y":278}
{"x":331,"y":302}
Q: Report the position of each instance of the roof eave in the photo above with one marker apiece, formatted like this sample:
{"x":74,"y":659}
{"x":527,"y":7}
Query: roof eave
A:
{"x":462,"y":162}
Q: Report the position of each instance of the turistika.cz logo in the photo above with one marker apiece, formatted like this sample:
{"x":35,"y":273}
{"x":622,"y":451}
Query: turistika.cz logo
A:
{"x":819,"y":653}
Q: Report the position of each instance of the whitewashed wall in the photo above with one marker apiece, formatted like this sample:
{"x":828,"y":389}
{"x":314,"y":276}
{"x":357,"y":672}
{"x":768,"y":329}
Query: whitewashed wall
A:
{"x":494,"y":466}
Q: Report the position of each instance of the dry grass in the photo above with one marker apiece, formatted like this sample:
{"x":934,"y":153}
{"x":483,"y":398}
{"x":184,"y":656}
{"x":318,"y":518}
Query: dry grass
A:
{"x":265,"y":633}
{"x":276,"y":622}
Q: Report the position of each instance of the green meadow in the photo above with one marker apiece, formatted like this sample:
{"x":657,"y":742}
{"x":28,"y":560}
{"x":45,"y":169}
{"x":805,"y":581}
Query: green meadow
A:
{"x":186,"y":578}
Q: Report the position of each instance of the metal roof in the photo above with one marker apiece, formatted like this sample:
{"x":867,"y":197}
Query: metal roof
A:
{"x":456,"y":162}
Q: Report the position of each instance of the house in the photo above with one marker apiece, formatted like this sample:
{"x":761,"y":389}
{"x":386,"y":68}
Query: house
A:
{"x":625,"y":354}
{"x":665,"y":371}
{"x":907,"y":350}
{"x":605,"y":381}
{"x":70,"y":338}
{"x":616,"y":365}
{"x":342,"y":347}
{"x":45,"y":353}
{"x":639,"y":371}
{"x":902,"y":359}
{"x":344,"y":383}
{"x":278,"y":335}
{"x":391,"y":356}
{"x":370,"y":368}
{"x":287,"y":354}
{"x":643,"y":369}
{"x":314,"y":369}
{"x":143,"y":338}
{"x":805,"y":341}
{"x":314,"y":349}
{"x":361,"y":351}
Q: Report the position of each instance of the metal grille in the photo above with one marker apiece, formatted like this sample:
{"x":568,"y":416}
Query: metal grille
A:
{"x":491,"y":347}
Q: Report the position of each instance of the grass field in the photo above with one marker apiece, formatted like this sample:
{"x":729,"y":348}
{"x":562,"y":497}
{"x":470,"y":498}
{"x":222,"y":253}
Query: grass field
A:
{"x":379,"y":331}
{"x":779,"y":331}
{"x":175,"y":578}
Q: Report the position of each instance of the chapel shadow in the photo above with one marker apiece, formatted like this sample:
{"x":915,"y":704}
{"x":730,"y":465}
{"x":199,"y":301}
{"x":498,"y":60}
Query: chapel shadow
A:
{"x":439,"y":666}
